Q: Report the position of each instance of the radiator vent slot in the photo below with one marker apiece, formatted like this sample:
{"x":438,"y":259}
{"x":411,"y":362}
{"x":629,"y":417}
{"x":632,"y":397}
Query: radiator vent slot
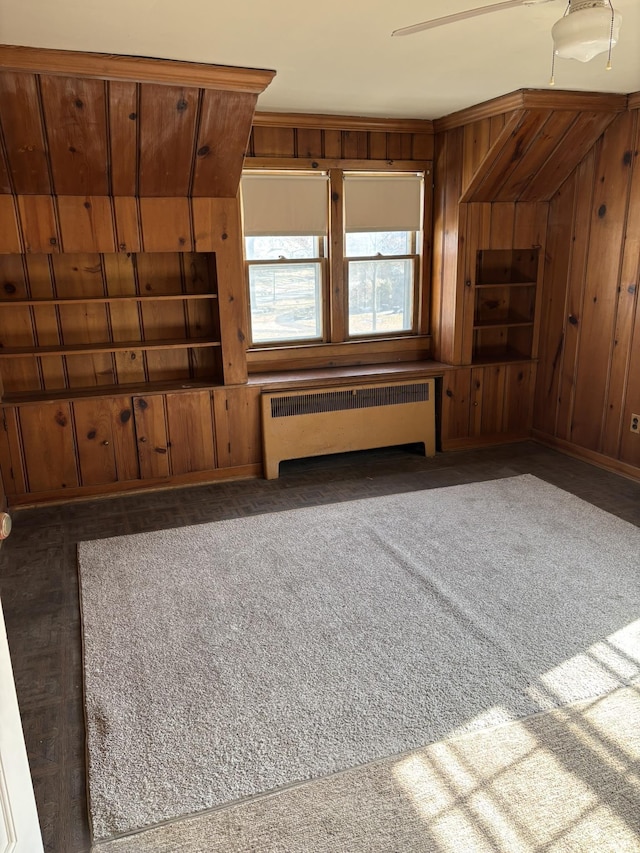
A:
{"x":356,"y":398}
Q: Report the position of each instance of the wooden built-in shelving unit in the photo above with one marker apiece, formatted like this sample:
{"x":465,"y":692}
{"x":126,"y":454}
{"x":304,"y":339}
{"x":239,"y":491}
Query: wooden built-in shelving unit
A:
{"x":122,"y":300}
{"x":505,"y":304}
{"x":78,"y":322}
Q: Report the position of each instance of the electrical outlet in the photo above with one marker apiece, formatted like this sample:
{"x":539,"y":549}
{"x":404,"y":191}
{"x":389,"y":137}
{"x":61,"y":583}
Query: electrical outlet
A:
{"x":635,"y":423}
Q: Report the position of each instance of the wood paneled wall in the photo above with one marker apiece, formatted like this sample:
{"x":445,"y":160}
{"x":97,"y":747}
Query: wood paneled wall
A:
{"x":69,"y":136}
{"x":272,"y":136}
{"x":518,"y":156}
{"x":589,"y":378}
{"x":71,"y":224}
{"x":459,"y":152}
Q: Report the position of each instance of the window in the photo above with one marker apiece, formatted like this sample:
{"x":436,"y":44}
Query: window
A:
{"x":285,"y":288}
{"x":375,"y":255}
{"x":382,"y":218}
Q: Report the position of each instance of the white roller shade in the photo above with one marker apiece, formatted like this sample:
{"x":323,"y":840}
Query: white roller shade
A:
{"x":285,"y":205}
{"x":383,"y":202}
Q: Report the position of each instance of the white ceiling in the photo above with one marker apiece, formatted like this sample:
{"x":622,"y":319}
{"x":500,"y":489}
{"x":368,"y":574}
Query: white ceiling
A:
{"x":338,"y":56}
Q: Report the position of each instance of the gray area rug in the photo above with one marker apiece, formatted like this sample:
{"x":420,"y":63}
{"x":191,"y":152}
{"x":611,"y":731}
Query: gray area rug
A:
{"x":229,"y":659}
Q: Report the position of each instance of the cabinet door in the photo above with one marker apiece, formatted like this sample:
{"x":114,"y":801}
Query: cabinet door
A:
{"x":105,"y":440}
{"x":519,"y":384}
{"x":151,"y":431}
{"x":190,"y":423}
{"x":487,"y":399}
{"x":48,"y":446}
{"x":238,"y":433}
{"x":485,"y":402}
{"x":456,"y":403}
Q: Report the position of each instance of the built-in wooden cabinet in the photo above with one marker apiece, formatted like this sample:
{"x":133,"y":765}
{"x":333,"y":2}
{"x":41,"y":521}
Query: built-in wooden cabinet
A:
{"x":122,"y":298}
{"x":486,"y":404}
{"x":96,"y":444}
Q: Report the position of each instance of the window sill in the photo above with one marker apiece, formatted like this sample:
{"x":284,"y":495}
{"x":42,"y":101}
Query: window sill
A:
{"x":404,"y":348}
{"x":281,"y":380}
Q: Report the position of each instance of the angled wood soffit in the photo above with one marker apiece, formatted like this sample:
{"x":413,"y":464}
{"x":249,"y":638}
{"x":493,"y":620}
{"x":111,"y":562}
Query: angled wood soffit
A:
{"x":544,"y":138}
{"x":93,"y":124}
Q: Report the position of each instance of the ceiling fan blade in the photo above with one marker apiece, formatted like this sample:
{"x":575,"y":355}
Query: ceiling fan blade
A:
{"x":458,"y":16}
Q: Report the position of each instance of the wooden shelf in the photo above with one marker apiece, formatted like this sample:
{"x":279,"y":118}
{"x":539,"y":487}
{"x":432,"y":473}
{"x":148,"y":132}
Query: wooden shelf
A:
{"x":113,"y":346}
{"x":136,"y":389}
{"x":500,"y":356}
{"x":506,"y":324}
{"x":80,"y":300}
{"x":506,"y":284}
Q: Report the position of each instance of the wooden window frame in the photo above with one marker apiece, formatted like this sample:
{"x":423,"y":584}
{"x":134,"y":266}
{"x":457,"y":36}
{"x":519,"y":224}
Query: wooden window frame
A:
{"x":335,"y":285}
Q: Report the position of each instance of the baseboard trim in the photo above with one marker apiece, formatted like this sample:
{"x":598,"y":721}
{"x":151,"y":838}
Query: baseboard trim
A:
{"x":586,"y":455}
{"x":238,"y":472}
{"x":469,"y":442}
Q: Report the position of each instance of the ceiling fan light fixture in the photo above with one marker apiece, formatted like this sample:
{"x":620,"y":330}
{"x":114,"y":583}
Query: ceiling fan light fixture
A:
{"x":591,"y":27}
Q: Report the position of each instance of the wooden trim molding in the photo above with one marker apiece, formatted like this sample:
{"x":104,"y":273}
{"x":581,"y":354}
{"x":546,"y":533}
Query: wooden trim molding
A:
{"x":334,"y":122}
{"x":543,"y":99}
{"x":592,"y":456}
{"x":488,"y":109}
{"x":322,"y":165}
{"x":534,"y":99}
{"x":495,"y":439}
{"x":633,"y":101}
{"x":216,"y":475}
{"x":135,"y":69}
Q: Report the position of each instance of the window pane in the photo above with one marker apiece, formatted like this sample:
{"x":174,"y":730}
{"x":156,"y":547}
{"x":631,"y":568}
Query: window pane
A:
{"x":380,"y":296}
{"x":277,"y":248}
{"x":366,"y":244}
{"x":285,"y":302}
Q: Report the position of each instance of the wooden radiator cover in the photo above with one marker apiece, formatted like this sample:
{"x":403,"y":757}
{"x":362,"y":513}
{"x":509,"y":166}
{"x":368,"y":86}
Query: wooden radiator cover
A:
{"x":316,"y":422}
